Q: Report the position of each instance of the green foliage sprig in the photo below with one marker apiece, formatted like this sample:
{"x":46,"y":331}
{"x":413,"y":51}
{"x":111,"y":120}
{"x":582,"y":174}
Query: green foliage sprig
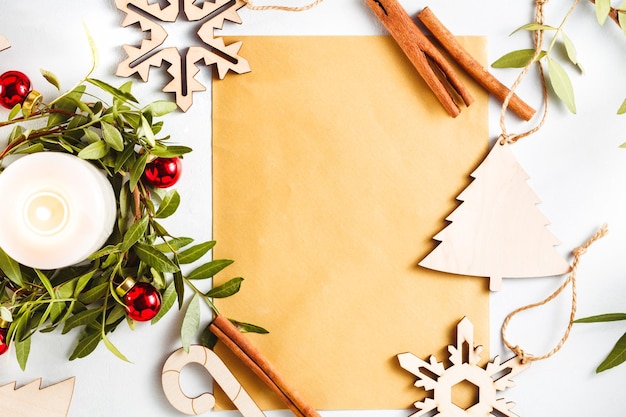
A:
{"x":119,"y":138}
{"x":561,"y":45}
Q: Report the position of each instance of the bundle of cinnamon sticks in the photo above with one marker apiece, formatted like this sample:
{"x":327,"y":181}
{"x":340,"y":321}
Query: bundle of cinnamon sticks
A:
{"x":432,"y":65}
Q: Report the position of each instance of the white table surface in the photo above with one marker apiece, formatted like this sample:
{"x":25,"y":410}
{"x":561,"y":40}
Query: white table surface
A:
{"x":575,"y":165}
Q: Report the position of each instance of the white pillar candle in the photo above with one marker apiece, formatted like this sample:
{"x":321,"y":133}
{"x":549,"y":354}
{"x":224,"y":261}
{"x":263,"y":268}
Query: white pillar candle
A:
{"x":55,"y":210}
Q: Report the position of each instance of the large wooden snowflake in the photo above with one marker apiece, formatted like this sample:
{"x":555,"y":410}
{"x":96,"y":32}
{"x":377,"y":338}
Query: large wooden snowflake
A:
{"x":464,"y":371}
{"x":183,"y":65}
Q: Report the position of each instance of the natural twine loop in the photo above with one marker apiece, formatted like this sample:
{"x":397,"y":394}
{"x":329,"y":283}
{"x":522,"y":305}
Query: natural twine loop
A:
{"x":525,"y":357}
{"x":250,"y":5}
{"x":538,"y":43}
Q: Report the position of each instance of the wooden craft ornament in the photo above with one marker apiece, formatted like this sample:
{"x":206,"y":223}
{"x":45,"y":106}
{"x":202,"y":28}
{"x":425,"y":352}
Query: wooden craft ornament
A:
{"x":33,"y":401}
{"x":170,"y":379}
{"x":464,"y":357}
{"x":182,"y":66}
{"x":4,"y":43}
{"x":497,"y":231}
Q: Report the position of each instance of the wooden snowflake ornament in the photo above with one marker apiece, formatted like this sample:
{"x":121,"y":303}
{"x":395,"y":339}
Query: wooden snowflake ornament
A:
{"x":433,"y":376}
{"x":209,"y":15}
{"x":33,"y":401}
{"x":497,"y":231}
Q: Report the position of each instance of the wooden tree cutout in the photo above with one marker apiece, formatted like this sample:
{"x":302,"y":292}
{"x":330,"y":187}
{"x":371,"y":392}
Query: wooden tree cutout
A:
{"x":221,"y":374}
{"x":211,"y":15}
{"x":4,"y":43}
{"x":497,"y":231}
{"x":464,"y":357}
{"x":33,"y":401}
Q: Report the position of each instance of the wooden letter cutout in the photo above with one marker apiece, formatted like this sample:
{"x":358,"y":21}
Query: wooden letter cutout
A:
{"x":205,"y":402}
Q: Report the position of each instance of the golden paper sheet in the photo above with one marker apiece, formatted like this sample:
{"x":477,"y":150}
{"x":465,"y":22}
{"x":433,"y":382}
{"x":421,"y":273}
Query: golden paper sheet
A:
{"x":334,"y":166}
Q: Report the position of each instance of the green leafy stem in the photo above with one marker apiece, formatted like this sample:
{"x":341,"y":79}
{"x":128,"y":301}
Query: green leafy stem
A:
{"x":560,"y":42}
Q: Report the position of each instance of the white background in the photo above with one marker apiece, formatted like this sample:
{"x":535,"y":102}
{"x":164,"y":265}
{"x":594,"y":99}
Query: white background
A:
{"x":574,"y":162}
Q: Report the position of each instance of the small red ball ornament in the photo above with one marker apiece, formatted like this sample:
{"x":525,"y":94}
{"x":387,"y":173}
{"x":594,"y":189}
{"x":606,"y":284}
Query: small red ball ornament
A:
{"x":4,"y":329}
{"x":163,"y":172}
{"x":142,"y":300}
{"x":14,"y":88}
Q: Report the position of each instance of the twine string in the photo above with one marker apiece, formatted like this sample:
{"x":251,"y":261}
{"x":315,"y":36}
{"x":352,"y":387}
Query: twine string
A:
{"x":250,"y":5}
{"x":538,"y":37}
{"x":571,"y":279}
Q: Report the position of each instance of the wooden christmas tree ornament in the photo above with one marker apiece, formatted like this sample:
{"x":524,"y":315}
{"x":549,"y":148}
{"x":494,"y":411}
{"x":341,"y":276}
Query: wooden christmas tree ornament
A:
{"x":4,"y":43}
{"x":210,"y":15}
{"x":464,"y":357}
{"x":33,"y":401}
{"x":497,"y":231}
{"x":221,"y":374}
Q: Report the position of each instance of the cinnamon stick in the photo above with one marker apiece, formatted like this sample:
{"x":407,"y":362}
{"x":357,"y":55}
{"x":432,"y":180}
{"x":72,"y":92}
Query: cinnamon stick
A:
{"x":230,"y":336}
{"x":416,"y":47}
{"x":471,"y":65}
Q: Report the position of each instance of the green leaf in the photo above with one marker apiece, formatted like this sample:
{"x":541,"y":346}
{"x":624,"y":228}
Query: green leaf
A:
{"x":173,"y":244}
{"x":602,"y":318}
{"x":168,"y":205}
{"x":517,"y":59}
{"x":86,"y":344}
{"x":209,"y":269}
{"x":195,"y":252}
{"x":14,"y":112}
{"x":561,"y":84}
{"x":533,"y":26}
{"x":570,"y":49}
{"x":248,"y":328}
{"x":82,"y":282}
{"x":179,"y":284}
{"x":615,"y":357}
{"x":115,"y":92}
{"x":134,"y":233}
{"x":169,"y":151}
{"x":160,"y":108}
{"x":227,"y":289}
{"x":168,"y":301}
{"x":96,"y":150}
{"x":136,"y":171}
{"x":10,"y":268}
{"x":46,"y":283}
{"x":105,"y":251}
{"x":621,"y":18}
{"x":603,"y":8}
{"x":622,"y":108}
{"x":112,"y":136}
{"x":82,"y":318}
{"x":208,"y":338}
{"x":113,"y":349}
{"x":51,"y":78}
{"x":22,"y":350}
{"x":154,"y":258}
{"x":191,"y":322}
{"x":148,"y":134}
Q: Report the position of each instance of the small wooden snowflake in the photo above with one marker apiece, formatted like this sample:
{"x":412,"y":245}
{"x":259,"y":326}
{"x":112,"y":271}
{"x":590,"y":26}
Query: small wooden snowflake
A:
{"x":183,"y":65}
{"x":433,"y":376}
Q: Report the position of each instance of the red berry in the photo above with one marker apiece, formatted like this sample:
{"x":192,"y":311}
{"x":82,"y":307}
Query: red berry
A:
{"x":14,"y":87}
{"x":142,"y":301}
{"x":163,"y":172}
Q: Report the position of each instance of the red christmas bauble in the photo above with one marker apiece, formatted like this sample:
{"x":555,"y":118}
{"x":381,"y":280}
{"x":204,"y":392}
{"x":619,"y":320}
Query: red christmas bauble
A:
{"x":163,"y":172}
{"x":4,"y":344}
{"x":142,"y":301}
{"x":14,"y":88}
